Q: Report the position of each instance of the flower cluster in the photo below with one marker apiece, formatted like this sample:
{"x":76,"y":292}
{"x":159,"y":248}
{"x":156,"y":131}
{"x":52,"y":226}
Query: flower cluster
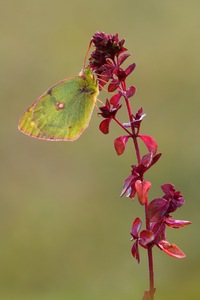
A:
{"x":107,"y":58}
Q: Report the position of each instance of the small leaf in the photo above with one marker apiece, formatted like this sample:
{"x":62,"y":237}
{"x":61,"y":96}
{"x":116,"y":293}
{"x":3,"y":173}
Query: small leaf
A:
{"x":150,"y":143}
{"x":159,"y":230}
{"x":157,"y":209}
{"x":146,"y":237}
{"x":114,"y":100}
{"x":171,"y":249}
{"x":139,"y":116}
{"x":135,"y":251}
{"x":122,"y":58}
{"x":120,"y":144}
{"x":113,"y":86}
{"x":130,"y":69}
{"x":137,"y":223}
{"x":142,"y":188}
{"x":104,"y":126}
{"x":177,"y":223}
{"x":156,"y":158}
{"x":127,"y":183}
{"x":168,"y":189}
{"x":147,"y":159}
{"x":130,"y":92}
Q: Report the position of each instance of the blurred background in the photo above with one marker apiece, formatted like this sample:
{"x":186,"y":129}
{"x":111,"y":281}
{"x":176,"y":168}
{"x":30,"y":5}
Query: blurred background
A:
{"x":64,"y":231}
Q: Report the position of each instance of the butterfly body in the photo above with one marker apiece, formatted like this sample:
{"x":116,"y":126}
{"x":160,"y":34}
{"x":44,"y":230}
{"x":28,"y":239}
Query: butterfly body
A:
{"x":63,"y":112}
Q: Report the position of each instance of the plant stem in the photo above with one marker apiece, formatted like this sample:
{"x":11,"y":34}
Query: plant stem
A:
{"x":121,"y":125}
{"x":130,"y":114}
{"x":131,"y":119}
{"x":149,"y":247}
{"x":150,"y":258}
{"x":137,"y":150}
{"x":151,"y":273}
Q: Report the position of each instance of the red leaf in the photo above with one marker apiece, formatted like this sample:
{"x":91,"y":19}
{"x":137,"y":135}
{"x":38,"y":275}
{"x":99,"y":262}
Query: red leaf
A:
{"x":114,"y":100}
{"x":131,"y":192}
{"x":137,"y":223}
{"x":142,"y":188}
{"x":150,"y":143}
{"x":113,"y":86}
{"x":177,"y":223}
{"x":130,"y":92}
{"x":122,"y":58}
{"x":127,"y":183}
{"x":171,"y":249}
{"x":168,"y":189}
{"x":159,"y":230}
{"x":147,"y":159}
{"x":104,"y":126}
{"x":135,"y":251}
{"x":120,"y":144}
{"x":130,"y":69}
{"x":157,"y":209}
{"x":156,"y":158}
{"x":146,"y":237}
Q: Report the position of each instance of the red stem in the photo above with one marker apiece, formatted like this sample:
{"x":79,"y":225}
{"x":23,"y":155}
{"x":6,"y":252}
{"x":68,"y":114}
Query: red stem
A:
{"x":150,"y":258}
{"x":121,"y":125}
{"x":130,"y":114}
{"x":151,"y":273}
{"x":131,"y":119}
{"x":137,"y":150}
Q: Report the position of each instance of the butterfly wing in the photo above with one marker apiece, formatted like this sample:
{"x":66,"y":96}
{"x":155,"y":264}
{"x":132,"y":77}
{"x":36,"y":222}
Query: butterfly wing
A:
{"x":63,"y":112}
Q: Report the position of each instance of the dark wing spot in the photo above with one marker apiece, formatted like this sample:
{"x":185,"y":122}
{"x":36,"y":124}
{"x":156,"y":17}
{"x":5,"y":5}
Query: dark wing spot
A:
{"x":49,"y":91}
{"x":84,"y":89}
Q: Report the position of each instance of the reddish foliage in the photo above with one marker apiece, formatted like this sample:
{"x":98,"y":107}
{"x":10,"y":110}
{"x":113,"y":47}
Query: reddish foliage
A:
{"x":106,"y":61}
{"x":120,"y":144}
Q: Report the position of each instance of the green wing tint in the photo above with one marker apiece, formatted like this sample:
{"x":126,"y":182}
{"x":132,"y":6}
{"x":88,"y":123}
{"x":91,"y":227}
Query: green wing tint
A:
{"x":64,"y":111}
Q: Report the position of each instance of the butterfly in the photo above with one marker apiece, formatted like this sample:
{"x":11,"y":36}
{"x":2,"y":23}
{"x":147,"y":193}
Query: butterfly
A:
{"x":64,"y":111}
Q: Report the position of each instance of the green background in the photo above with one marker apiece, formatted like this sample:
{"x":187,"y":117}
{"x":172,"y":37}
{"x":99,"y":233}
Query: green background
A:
{"x":64,"y":231}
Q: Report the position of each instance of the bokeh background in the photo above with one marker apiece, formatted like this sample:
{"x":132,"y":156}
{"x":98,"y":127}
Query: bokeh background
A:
{"x":64,"y":231}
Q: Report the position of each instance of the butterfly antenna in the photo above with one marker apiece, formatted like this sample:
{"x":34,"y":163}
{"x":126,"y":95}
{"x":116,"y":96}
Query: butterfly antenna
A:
{"x":88,"y":50}
{"x":99,"y":75}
